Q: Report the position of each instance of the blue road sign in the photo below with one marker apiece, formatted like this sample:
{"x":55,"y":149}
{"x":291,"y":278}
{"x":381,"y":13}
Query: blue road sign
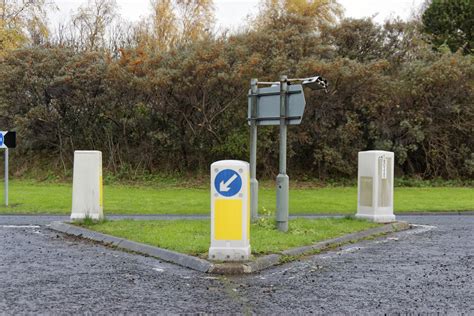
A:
{"x":7,"y":139}
{"x":228,"y":182}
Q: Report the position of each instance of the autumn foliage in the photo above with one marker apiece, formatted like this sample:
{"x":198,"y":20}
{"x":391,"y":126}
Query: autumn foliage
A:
{"x":175,"y":100}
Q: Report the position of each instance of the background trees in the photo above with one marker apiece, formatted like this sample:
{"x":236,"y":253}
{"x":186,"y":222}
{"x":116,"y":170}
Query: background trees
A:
{"x":91,"y":21}
{"x":22,"y":22}
{"x":169,"y":95}
{"x":451,"y":22}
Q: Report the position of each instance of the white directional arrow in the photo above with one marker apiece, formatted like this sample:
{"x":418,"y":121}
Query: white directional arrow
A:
{"x":224,"y":186}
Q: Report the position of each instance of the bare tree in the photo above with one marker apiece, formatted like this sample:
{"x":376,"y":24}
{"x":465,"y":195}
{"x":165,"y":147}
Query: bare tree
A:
{"x":319,"y":12}
{"x":164,"y":30}
{"x":23,"y":22}
{"x":196,"y":19}
{"x":91,"y":22}
{"x":178,"y":21}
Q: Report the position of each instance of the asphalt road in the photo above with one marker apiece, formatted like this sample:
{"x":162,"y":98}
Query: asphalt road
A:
{"x":429,"y":269}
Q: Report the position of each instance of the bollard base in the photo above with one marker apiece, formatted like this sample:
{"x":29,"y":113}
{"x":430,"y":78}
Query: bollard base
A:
{"x":377,"y":218}
{"x":229,"y":254}
{"x":81,"y":216}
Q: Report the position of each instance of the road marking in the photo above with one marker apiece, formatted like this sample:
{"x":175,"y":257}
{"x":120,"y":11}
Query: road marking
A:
{"x":417,"y":229}
{"x":425,"y":226}
{"x":19,"y":226}
{"x":350,"y":249}
{"x":421,"y":229}
{"x":159,"y":269}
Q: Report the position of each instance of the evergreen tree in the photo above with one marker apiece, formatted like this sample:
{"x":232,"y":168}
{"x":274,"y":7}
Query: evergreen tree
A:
{"x":451,"y":22}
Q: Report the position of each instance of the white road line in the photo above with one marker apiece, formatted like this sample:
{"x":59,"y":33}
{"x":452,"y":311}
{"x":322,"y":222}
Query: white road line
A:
{"x":420,"y":229}
{"x":19,"y":226}
{"x":350,"y":249}
{"x":426,"y":226}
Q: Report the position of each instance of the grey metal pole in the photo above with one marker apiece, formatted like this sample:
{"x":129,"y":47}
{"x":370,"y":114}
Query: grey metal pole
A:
{"x":253,"y":151}
{"x":6,"y":176}
{"x":282,"y":180}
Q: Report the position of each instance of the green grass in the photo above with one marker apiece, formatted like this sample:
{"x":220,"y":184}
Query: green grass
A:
{"x":193,"y":236}
{"x":28,"y":197}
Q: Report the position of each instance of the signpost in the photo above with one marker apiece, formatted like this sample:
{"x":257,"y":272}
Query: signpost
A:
{"x":282,"y":180}
{"x":7,"y":140}
{"x":268,"y":108}
{"x":253,"y":149}
{"x":281,"y":104}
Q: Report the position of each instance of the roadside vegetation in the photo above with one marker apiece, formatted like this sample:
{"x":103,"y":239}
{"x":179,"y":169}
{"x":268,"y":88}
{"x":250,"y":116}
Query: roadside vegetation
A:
{"x":52,"y":198}
{"x":193,"y":236}
{"x":169,"y":94}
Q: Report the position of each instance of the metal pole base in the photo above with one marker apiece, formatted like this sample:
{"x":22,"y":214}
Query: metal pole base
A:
{"x":282,"y":195}
{"x":282,"y":226}
{"x":253,"y":199}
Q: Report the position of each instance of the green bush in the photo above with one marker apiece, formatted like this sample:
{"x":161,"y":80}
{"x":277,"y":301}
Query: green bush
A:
{"x":179,"y":110}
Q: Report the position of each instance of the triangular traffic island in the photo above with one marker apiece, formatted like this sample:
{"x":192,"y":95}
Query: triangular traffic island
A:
{"x":227,"y":243}
{"x":196,"y":261}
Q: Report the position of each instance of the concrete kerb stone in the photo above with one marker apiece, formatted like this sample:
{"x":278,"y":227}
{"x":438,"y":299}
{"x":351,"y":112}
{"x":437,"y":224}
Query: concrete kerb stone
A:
{"x":85,"y":233}
{"x":256,"y":265}
{"x":202,"y":265}
{"x":393,"y":227}
{"x":168,"y":255}
{"x":163,"y":254}
{"x":264,"y":262}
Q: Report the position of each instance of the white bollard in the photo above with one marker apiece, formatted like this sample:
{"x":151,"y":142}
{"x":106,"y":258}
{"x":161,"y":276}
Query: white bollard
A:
{"x":87,"y":185}
{"x":230,"y":211}
{"x":375,"y":186}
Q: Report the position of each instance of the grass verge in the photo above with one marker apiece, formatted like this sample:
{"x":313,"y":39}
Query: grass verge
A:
{"x":28,"y":197}
{"x":193,"y":236}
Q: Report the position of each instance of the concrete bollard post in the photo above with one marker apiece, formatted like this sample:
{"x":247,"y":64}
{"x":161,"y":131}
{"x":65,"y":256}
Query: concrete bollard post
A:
{"x":87,"y":197}
{"x":230,"y":211}
{"x":375,"y":186}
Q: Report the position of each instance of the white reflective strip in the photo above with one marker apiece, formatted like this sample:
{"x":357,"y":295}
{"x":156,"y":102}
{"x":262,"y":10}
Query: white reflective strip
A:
{"x":384,"y":168}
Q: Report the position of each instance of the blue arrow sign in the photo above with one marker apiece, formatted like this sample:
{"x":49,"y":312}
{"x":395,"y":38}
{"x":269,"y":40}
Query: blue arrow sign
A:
{"x":228,"y":182}
{"x":1,"y":139}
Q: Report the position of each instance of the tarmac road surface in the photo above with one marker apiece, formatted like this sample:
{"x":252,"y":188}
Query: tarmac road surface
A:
{"x":429,"y":269}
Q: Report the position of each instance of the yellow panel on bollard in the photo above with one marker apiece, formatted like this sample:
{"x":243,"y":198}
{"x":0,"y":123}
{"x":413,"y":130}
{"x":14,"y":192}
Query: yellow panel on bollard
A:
{"x":228,"y":219}
{"x":230,"y":216}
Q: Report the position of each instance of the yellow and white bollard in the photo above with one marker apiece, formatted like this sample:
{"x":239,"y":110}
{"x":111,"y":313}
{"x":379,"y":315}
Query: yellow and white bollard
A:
{"x":230,"y":211}
{"x":87,"y":185}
